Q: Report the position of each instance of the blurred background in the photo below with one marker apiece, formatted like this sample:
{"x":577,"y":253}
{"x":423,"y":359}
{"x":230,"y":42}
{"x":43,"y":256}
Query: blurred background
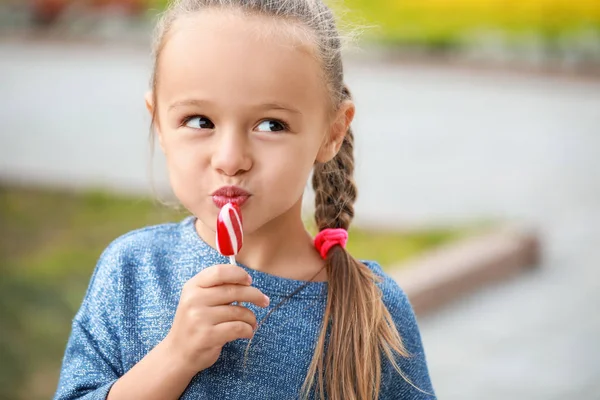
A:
{"x":470,"y":114}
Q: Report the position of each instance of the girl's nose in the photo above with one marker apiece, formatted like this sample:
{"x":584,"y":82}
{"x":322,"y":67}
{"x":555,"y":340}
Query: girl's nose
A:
{"x":231,"y":153}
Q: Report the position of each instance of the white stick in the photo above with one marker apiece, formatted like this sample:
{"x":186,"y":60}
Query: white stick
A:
{"x":232,"y":262}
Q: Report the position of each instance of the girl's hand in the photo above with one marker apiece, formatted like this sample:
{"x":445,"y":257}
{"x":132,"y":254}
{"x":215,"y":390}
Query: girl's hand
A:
{"x":205,"y":319}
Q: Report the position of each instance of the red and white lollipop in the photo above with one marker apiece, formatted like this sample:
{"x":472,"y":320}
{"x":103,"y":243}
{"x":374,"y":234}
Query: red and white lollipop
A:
{"x":229,"y":231}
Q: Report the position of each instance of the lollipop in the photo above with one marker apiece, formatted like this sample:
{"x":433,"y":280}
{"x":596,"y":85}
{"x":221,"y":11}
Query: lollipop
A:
{"x":229,"y":231}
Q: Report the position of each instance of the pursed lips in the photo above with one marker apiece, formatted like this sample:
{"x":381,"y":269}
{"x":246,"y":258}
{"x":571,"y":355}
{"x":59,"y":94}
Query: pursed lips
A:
{"x":230,"y":194}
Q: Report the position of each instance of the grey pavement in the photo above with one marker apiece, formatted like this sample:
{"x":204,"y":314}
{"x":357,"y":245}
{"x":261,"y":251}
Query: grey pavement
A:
{"x":533,"y":338}
{"x":434,"y":147}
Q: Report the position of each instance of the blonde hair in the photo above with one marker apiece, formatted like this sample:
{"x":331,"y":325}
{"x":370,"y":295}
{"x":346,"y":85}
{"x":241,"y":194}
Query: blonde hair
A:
{"x":347,"y":364}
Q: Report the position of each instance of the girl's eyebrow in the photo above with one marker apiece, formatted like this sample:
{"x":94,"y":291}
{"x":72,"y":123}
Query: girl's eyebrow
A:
{"x":188,"y":102}
{"x":266,"y":106}
{"x":278,"y":106}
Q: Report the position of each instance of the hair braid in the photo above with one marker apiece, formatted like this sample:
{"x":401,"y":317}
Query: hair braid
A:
{"x":335,"y":189}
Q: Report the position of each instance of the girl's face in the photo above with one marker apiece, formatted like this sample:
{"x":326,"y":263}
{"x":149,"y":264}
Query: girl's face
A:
{"x":242,"y":102}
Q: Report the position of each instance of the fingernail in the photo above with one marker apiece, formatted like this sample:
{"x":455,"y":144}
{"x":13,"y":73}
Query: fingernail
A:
{"x":267,"y":300}
{"x":249,"y":280}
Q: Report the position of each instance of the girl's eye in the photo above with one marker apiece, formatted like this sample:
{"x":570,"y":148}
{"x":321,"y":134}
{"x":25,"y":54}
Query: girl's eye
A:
{"x":199,"y":123}
{"x":271,"y":125}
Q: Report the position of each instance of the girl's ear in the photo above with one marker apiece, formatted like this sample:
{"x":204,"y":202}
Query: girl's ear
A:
{"x":150,"y":107}
{"x":332,"y":142}
{"x":149,"y":102}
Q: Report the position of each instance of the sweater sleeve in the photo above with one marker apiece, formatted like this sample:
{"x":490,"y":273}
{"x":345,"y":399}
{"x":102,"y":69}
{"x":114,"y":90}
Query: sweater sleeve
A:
{"x":92,"y":361}
{"x":414,"y":367}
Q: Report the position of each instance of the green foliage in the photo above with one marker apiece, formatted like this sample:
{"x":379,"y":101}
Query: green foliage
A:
{"x":49,"y":247}
{"x":443,"y":23}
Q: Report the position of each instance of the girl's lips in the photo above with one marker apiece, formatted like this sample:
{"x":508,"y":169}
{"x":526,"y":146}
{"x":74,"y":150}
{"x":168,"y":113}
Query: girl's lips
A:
{"x":220,"y":201}
{"x":230,"y":194}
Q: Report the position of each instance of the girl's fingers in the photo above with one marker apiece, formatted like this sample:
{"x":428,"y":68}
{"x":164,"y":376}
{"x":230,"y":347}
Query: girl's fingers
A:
{"x":227,"y":294}
{"x":220,"y":275}
{"x":233,"y":330}
{"x":221,"y":314}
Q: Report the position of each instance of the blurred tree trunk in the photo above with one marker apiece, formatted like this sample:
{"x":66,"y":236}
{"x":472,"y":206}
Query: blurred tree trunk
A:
{"x":131,"y":7}
{"x":46,"y":12}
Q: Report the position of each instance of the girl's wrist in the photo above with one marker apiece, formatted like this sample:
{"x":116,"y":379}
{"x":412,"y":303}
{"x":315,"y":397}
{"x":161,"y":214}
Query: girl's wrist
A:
{"x":161,"y":374}
{"x":180,"y":364}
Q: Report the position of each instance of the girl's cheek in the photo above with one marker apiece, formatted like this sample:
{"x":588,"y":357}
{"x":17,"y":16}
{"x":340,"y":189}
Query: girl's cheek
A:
{"x":183,"y":162}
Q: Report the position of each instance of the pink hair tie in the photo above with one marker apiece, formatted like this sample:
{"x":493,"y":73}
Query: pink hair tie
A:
{"x":328,"y":238}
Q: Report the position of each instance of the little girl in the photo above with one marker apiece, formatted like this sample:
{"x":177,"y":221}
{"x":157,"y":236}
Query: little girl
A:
{"x":248,"y":97}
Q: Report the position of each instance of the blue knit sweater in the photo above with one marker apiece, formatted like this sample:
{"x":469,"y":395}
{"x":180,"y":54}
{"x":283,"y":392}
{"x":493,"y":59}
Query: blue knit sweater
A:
{"x":131,"y":301}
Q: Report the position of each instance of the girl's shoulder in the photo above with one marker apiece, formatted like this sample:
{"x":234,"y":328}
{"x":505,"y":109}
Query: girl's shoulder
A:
{"x":152,"y":248}
{"x":414,"y":366}
{"x":138,"y":254}
{"x":394,"y":297}
{"x":149,"y":240}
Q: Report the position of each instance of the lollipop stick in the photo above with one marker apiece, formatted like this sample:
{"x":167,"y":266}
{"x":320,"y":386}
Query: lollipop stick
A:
{"x":232,"y":262}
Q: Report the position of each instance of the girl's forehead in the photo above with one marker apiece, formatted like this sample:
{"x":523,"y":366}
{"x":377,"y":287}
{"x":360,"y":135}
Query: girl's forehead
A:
{"x":220,"y":53}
